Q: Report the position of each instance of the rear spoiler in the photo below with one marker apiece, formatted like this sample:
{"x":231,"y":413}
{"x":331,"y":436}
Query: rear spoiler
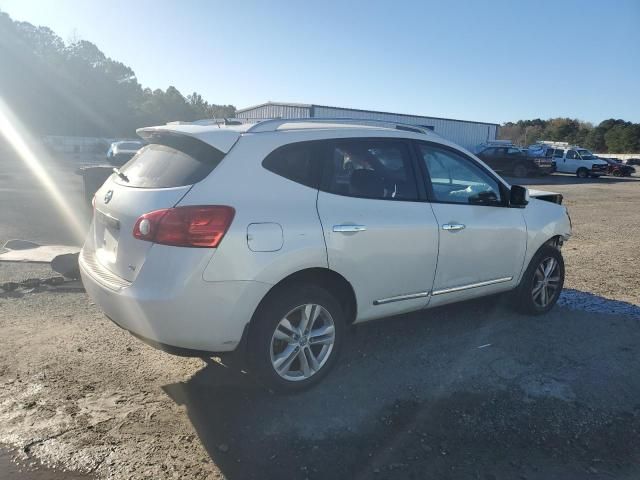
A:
{"x":221,"y":139}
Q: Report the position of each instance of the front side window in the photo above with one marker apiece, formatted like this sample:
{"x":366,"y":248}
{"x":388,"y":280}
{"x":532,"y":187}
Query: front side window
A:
{"x":513,"y":151}
{"x":571,"y":154}
{"x":379,"y":169}
{"x":457,"y":179}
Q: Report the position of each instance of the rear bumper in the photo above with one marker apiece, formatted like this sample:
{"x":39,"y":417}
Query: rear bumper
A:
{"x":173,"y":308}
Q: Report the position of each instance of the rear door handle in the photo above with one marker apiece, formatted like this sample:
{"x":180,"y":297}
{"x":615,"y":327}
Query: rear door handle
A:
{"x":452,"y":227}
{"x":349,"y":228}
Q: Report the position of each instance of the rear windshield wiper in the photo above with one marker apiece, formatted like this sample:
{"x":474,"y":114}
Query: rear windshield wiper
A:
{"x":121,"y":175}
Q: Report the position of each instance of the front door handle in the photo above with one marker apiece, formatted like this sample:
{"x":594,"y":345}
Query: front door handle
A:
{"x":453,"y":227}
{"x":349,"y":228}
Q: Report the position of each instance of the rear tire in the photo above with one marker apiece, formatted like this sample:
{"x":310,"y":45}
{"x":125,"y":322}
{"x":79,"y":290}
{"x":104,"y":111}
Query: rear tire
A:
{"x":582,"y":172}
{"x":542,"y":282}
{"x":284,"y":352}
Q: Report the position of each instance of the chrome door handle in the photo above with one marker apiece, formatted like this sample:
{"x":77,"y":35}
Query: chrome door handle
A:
{"x":452,"y":227}
{"x":349,"y":228}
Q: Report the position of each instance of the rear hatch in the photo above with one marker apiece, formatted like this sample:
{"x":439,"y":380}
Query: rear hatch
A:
{"x":157,"y":177}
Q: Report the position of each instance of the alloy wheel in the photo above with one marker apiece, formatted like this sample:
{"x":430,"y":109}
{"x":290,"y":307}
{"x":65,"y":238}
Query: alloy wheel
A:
{"x":546,"y":282}
{"x":302,"y":342}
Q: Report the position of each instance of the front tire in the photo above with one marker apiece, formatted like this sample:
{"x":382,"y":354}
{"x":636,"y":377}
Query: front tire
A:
{"x":296,"y":337}
{"x":541,"y":283}
{"x":582,"y":173}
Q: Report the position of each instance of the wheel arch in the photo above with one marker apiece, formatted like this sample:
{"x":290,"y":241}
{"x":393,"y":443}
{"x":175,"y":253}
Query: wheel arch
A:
{"x":556,"y":241}
{"x":326,"y":278}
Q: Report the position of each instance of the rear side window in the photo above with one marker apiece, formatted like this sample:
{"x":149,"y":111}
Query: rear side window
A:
{"x":380,"y":169}
{"x":298,"y":162}
{"x":170,"y":161}
{"x":558,"y":153}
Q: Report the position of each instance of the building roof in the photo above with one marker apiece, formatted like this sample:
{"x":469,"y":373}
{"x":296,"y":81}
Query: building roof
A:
{"x":311,"y":105}
{"x":281,"y":104}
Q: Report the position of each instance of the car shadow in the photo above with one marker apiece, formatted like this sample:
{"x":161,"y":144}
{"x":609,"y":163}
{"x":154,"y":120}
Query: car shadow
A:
{"x":589,"y":302}
{"x":567,"y":179}
{"x":397,"y":376}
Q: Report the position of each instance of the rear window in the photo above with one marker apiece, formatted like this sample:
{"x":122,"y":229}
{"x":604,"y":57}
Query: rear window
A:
{"x":170,"y":161}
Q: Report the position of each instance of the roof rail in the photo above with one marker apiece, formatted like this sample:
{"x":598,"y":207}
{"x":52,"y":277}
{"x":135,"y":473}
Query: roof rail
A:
{"x":211,"y":121}
{"x":553,"y":143}
{"x":272,"y":125}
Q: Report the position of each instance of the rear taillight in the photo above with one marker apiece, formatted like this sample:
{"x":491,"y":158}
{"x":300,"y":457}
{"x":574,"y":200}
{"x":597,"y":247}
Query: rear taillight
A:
{"x":193,"y":226}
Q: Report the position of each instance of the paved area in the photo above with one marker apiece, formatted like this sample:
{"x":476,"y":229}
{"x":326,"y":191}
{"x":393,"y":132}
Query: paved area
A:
{"x":466,"y":391}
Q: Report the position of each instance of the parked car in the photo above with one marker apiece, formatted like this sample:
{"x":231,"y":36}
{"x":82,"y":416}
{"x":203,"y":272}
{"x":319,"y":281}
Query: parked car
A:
{"x":120,"y":153}
{"x":570,"y":159}
{"x":270,"y":239}
{"x":617,"y":168}
{"x":633,"y":161}
{"x":507,"y":159}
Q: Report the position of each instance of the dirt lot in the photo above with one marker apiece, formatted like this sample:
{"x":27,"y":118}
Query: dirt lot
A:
{"x":468,"y":391}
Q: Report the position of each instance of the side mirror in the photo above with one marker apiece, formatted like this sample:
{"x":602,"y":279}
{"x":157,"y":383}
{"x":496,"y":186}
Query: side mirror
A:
{"x":518,"y":196}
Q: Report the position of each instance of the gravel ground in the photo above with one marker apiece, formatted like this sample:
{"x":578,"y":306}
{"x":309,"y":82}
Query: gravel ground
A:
{"x":465,"y":391}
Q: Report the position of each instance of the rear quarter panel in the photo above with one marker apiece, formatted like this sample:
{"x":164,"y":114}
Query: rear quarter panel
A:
{"x":260,"y":196}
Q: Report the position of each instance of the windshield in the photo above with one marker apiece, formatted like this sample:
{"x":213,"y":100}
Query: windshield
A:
{"x":586,"y":155}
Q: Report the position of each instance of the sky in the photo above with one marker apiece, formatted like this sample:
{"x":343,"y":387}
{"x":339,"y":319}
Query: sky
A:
{"x":494,"y":61}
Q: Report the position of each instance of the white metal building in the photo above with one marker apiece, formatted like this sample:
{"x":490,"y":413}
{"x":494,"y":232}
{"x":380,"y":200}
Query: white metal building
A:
{"x":465,"y":133}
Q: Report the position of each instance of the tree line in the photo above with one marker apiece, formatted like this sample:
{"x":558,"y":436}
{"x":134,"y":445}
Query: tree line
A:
{"x":73,"y":88}
{"x":613,"y":136}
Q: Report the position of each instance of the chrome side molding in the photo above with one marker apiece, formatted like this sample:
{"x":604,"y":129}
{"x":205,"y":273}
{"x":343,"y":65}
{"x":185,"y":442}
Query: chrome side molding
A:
{"x":399,"y":298}
{"x":472,"y":285}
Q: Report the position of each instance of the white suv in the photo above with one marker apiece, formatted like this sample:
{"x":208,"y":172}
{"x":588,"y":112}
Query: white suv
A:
{"x":271,"y":239}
